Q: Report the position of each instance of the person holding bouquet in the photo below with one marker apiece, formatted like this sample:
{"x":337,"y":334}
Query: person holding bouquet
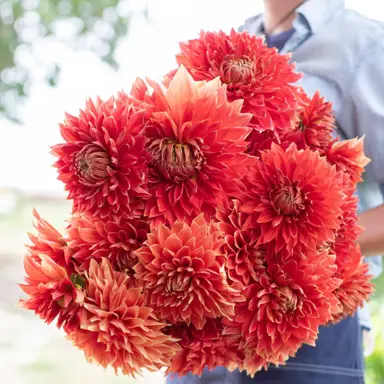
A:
{"x":340,"y":53}
{"x":214,"y":219}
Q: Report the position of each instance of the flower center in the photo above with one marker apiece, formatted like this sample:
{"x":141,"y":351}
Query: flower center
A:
{"x":178,"y":282}
{"x":288,"y":299}
{"x":289,"y":200}
{"x":237,"y":70}
{"x":92,"y":163}
{"x":175,"y":161}
{"x":302,"y":127}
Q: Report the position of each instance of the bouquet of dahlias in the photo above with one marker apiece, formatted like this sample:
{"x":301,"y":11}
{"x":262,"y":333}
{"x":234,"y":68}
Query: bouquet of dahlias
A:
{"x":214,"y":218}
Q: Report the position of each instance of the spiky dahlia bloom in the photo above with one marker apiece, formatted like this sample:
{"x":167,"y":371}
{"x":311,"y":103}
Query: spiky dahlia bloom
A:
{"x":52,"y":294}
{"x":115,"y":239}
{"x":315,"y":124}
{"x":244,"y":258}
{"x":287,"y":305}
{"x":356,"y":286}
{"x":251,"y":70}
{"x":103,"y":161}
{"x":261,"y":141}
{"x":116,"y":329}
{"x":293,"y":196}
{"x":49,"y":242}
{"x":197,"y":142}
{"x":183,"y":273}
{"x":205,"y":348}
{"x":348,"y":156}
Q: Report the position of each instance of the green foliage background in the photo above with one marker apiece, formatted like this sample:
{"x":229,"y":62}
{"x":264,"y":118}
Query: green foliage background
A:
{"x":23,"y":22}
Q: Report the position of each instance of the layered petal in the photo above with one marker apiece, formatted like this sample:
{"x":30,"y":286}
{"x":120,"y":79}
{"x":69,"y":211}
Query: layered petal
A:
{"x":285,"y":308}
{"x":196,"y":138}
{"x":251,"y":70}
{"x":182,"y":271}
{"x":244,"y":258}
{"x":295,"y":198}
{"x":103,"y":160}
{"x":349,"y":157}
{"x":117,"y":329}
{"x":115,"y":239}
{"x":52,"y":293}
{"x":205,"y":348}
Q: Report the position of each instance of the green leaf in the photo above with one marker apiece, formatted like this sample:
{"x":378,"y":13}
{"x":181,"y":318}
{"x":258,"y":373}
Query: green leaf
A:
{"x":78,"y":281}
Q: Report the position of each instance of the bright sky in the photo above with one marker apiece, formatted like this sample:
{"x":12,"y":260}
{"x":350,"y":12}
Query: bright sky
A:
{"x":148,"y":51}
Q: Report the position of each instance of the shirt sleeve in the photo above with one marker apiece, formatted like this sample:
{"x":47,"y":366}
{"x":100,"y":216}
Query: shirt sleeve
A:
{"x":363,"y":106}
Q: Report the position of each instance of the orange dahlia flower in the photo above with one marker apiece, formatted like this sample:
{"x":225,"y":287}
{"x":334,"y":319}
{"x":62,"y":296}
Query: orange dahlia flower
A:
{"x":116,"y":329}
{"x":103,"y":160}
{"x":182,"y":272}
{"x":251,"y":70}
{"x":205,"y":348}
{"x":294,"y":198}
{"x":348,"y":156}
{"x":315,"y":125}
{"x":285,"y":308}
{"x":197,"y":142}
{"x":244,"y":259}
{"x":51,"y":292}
{"x":115,"y":239}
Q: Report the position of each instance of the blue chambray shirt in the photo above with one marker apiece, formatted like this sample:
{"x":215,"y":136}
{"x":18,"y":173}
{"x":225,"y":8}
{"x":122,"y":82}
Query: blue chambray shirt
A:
{"x":348,"y":69}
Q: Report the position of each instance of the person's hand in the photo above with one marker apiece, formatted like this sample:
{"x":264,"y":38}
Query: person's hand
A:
{"x":371,"y":240}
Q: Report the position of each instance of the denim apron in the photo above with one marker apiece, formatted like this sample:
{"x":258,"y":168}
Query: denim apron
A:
{"x":336,"y":359}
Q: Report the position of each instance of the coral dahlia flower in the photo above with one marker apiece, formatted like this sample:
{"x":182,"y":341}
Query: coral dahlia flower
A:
{"x":315,"y":125}
{"x":116,"y":329}
{"x":205,"y":348}
{"x":51,"y":292}
{"x":285,"y":308}
{"x":103,"y":160}
{"x":49,"y":242}
{"x":349,"y":231}
{"x":197,"y":142}
{"x":182,"y":271}
{"x":294,"y":197}
{"x":356,"y":286}
{"x":245,"y":259}
{"x":348,"y":156}
{"x":251,"y":70}
{"x":115,"y":239}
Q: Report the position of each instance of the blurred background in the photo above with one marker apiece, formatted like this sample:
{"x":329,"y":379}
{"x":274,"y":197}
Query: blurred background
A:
{"x":53,"y":55}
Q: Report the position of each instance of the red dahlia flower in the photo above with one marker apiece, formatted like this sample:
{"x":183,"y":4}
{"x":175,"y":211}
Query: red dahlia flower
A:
{"x":182,"y":271}
{"x":244,"y":258}
{"x":116,"y":329}
{"x":261,"y":141}
{"x":103,"y":160}
{"x":294,"y":198}
{"x":348,"y":156}
{"x":251,"y":70}
{"x":205,"y":348}
{"x":197,"y":142}
{"x":285,"y":308}
{"x":356,"y":286}
{"x":51,"y":292}
{"x":315,"y":125}
{"x":115,"y":239}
